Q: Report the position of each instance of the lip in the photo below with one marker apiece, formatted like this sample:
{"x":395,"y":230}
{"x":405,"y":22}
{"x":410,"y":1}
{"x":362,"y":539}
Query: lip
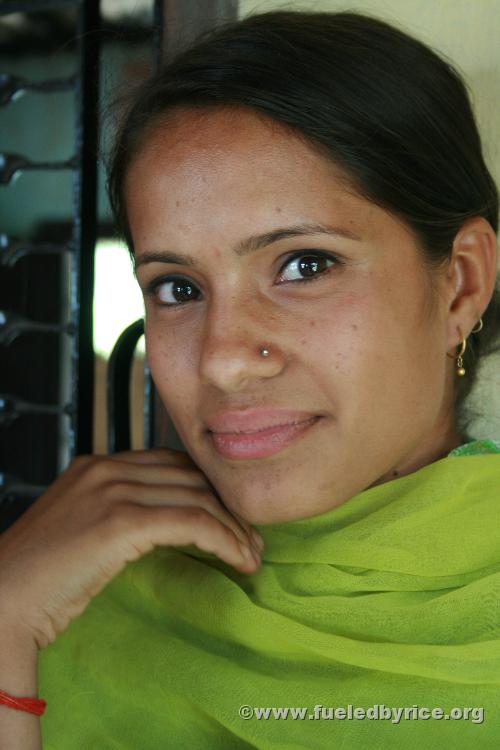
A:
{"x":255,"y":420}
{"x":261,"y":443}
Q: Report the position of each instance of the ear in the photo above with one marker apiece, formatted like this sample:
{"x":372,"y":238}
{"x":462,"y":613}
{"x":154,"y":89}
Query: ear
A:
{"x":471,"y":277}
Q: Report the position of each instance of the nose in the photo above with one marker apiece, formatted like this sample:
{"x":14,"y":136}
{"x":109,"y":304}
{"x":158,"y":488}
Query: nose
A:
{"x":232,"y":341}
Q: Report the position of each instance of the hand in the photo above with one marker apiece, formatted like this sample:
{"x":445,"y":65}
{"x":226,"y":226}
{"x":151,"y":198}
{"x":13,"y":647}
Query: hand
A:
{"x":99,"y":514}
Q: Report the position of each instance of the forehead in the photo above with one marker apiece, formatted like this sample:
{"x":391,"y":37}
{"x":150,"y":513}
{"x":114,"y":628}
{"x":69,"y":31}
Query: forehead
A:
{"x":230,"y":145}
{"x":224,"y":169}
{"x":212,"y":139}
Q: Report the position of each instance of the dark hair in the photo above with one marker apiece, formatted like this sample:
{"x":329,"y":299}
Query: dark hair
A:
{"x":393,"y":114}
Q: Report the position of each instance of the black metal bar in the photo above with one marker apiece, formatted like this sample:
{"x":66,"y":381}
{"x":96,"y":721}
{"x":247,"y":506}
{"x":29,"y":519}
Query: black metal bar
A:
{"x":12,"y":86}
{"x":12,"y":325}
{"x":11,"y":164}
{"x":158,"y":27}
{"x":12,"y":485}
{"x":86,"y":220}
{"x":12,"y":407}
{"x":149,"y":400}
{"x":17,"y":6}
{"x":118,"y":387}
{"x":11,"y":249}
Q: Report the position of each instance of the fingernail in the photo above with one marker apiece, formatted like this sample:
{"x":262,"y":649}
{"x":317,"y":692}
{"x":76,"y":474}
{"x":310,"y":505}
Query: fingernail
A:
{"x":256,"y":557}
{"x":258,"y":539}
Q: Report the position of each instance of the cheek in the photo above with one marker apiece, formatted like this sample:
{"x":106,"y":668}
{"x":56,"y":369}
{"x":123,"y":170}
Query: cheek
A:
{"x":344,"y":337}
{"x":368,"y":342}
{"x":170,"y":363}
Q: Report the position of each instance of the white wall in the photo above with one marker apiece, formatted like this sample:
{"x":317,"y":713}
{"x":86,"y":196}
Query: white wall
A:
{"x":467,"y":32}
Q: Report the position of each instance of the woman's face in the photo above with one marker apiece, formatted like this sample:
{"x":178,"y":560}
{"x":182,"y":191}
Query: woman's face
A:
{"x":360,"y":345}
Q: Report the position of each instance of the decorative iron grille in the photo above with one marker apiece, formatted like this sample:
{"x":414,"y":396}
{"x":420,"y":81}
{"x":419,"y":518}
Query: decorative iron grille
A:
{"x":47,"y":277}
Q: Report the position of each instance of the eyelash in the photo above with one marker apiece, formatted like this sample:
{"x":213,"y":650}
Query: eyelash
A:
{"x":152,"y":286}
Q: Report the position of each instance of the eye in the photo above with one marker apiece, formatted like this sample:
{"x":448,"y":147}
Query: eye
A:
{"x":312,"y":265}
{"x":174,"y":291}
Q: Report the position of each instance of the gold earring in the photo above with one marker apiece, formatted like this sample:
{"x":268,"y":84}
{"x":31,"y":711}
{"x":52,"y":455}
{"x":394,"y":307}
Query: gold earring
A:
{"x":480,"y":324}
{"x":460,"y":355}
{"x":460,"y":361}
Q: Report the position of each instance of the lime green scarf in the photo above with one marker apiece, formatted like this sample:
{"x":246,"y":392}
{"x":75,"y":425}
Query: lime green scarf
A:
{"x":391,"y":599}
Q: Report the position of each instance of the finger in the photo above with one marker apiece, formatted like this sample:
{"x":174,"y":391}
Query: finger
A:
{"x":179,"y":496}
{"x":165,"y":466}
{"x":256,"y":537}
{"x":251,"y":532}
{"x":159,"y":455}
{"x":177,"y":526}
{"x":154,"y":473}
{"x":168,"y":457}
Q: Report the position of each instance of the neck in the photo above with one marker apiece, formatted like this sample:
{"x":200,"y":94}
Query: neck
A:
{"x":434,"y":448}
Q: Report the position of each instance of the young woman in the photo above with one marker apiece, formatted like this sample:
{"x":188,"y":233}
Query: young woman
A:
{"x":314,"y":229}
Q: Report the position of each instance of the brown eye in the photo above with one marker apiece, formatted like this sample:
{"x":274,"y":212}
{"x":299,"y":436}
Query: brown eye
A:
{"x":175,"y":291}
{"x":308,"y":265}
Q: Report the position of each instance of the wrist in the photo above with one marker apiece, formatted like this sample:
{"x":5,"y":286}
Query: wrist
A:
{"x":18,"y":662}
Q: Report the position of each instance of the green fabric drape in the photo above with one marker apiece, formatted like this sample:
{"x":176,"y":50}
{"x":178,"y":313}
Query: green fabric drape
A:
{"x":391,"y":599}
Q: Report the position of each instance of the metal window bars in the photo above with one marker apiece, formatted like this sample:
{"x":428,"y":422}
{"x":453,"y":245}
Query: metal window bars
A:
{"x":175,"y":21}
{"x":74,"y":411}
{"x":118,"y":390}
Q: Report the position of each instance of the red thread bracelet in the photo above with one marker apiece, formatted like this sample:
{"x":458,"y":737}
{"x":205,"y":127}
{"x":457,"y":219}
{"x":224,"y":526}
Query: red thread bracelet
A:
{"x":31,"y":705}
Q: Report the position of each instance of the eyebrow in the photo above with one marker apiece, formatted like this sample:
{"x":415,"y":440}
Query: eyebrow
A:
{"x":251,"y":244}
